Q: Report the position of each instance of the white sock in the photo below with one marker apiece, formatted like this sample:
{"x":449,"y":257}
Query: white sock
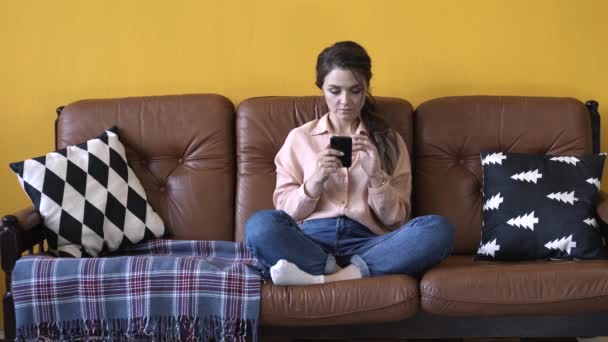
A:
{"x":286,"y":273}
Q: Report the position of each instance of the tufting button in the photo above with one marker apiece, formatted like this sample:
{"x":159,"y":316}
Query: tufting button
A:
{"x":180,"y":161}
{"x":162,"y":189}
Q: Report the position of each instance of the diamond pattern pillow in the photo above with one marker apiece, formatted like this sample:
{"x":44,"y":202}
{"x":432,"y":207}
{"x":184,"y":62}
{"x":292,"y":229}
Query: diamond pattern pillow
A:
{"x":540,"y":207}
{"x":89,"y":197}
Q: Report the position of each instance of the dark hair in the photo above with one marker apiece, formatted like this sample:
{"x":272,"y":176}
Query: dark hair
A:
{"x":352,"y":56}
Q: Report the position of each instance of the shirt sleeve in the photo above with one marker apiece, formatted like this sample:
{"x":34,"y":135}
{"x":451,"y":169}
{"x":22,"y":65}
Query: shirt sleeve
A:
{"x":391,"y":201}
{"x":289,"y":194}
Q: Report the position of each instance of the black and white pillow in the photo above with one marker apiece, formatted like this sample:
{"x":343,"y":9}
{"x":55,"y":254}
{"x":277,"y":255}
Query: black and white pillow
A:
{"x":89,"y":197}
{"x":540,"y":207}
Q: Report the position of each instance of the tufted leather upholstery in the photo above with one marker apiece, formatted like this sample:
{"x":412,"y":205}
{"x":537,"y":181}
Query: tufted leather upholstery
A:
{"x":180,"y":147}
{"x":450,"y":133}
{"x":261,"y":128}
{"x":183,"y":149}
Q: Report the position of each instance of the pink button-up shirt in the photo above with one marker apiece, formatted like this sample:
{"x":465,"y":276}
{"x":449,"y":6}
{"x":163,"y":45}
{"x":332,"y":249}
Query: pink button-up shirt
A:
{"x":346,"y":192}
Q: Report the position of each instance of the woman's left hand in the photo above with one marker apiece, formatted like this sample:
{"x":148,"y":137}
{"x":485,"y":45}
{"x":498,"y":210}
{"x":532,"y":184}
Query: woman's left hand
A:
{"x":369,"y":158}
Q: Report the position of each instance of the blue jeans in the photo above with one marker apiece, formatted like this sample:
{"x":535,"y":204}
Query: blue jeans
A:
{"x":317,"y":246}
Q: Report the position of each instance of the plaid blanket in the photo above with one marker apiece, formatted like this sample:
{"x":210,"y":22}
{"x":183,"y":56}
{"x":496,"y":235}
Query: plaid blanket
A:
{"x":159,"y":290}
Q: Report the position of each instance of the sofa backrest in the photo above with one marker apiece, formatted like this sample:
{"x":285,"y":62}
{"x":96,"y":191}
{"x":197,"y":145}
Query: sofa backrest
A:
{"x":451,"y":132}
{"x":262,"y":124}
{"x":180,"y":147}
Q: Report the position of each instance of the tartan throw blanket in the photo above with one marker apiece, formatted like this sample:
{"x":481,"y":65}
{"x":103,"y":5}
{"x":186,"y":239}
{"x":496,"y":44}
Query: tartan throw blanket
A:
{"x":165,"y":290}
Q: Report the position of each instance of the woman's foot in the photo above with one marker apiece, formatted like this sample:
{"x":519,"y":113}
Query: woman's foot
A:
{"x":286,"y":273}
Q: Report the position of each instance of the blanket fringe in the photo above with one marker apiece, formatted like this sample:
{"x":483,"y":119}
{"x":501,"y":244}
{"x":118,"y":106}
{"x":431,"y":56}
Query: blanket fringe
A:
{"x":165,"y":328}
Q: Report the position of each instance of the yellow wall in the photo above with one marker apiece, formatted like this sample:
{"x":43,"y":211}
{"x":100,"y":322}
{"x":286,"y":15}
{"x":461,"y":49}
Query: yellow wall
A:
{"x":56,"y":52}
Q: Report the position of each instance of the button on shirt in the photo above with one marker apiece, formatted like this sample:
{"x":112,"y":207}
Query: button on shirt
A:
{"x":346,"y":192}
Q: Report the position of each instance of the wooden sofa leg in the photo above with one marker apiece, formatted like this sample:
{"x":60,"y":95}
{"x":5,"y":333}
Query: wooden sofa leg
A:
{"x":9,"y":317}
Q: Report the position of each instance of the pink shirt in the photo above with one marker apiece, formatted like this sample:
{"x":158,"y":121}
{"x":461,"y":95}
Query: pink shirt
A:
{"x":346,"y":192}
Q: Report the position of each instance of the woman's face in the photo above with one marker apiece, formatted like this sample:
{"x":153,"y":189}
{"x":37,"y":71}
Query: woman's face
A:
{"x":344,"y":94}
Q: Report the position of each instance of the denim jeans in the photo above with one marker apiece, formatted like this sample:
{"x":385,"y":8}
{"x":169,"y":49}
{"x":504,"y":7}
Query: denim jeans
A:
{"x":317,"y":246}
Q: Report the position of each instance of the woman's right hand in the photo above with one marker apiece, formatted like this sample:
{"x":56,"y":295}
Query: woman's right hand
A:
{"x":327,"y":163}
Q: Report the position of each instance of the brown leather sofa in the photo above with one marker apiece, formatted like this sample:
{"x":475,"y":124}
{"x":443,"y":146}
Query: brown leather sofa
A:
{"x":206,"y":168}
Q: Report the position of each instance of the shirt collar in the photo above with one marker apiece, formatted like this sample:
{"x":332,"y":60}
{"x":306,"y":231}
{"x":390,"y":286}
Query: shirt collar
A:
{"x":322,"y":126}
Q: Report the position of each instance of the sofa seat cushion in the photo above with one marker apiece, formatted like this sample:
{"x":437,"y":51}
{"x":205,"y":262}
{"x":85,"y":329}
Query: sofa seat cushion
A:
{"x":368,"y":300}
{"x":463,"y":287}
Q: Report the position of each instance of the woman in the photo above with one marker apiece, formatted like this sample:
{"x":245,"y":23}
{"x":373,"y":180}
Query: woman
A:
{"x":334,"y":223}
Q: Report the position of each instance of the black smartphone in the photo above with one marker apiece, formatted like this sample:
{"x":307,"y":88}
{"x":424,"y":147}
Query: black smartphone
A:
{"x":344,"y":145}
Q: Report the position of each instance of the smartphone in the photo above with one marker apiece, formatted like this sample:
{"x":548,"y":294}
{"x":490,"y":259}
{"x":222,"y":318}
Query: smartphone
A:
{"x":344,"y":145}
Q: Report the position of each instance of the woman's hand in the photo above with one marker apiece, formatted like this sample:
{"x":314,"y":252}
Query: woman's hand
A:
{"x":327,"y":163}
{"x":369,"y":158}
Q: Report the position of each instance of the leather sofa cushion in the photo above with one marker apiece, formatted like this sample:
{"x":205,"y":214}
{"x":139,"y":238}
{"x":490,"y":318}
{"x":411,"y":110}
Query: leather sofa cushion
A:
{"x":180,"y":147}
{"x":452,"y":131}
{"x":463,"y":287}
{"x":262,"y":125}
{"x":368,"y":300}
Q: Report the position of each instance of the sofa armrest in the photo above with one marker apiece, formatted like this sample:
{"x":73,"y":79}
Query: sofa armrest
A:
{"x":19,"y":232}
{"x":26,"y":219}
{"x":602,"y":206}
